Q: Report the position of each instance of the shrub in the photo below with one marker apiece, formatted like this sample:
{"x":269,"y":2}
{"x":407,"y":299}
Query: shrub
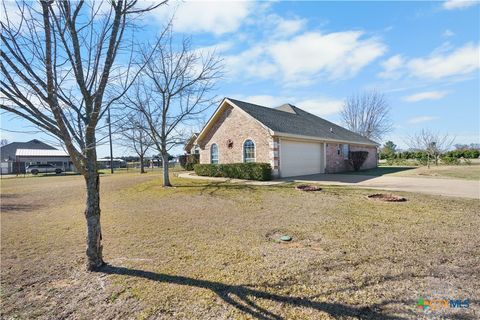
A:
{"x":398,"y":162}
{"x":187,"y":161}
{"x":248,"y":171}
{"x":451,"y":160}
{"x":357,"y":158}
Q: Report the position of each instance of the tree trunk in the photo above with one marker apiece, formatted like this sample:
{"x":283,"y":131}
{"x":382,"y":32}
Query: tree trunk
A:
{"x":142,"y":167}
{"x":166,"y":178}
{"x":92,"y":214}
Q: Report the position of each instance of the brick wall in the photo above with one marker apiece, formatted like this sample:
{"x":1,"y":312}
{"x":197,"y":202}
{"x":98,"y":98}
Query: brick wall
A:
{"x":336,"y":162}
{"x":236,"y":126}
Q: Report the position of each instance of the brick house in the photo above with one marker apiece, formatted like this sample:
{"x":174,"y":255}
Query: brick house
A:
{"x":293,"y":141}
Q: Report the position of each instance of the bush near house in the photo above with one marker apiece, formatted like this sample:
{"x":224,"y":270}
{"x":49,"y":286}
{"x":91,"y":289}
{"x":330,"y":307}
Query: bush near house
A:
{"x":248,"y":171}
{"x":357,"y":158}
{"x":187,"y":161}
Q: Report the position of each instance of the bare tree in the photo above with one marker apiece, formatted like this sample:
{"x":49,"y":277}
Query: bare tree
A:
{"x":133,"y":135}
{"x":58,"y":70}
{"x":174,"y":90}
{"x":3,"y":142}
{"x":433,"y":144}
{"x":367,"y":114}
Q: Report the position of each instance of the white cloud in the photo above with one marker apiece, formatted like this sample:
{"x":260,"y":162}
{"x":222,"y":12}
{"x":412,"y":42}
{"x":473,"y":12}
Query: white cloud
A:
{"x":391,"y":67}
{"x":448,"y":33}
{"x":427,"y":95}
{"x":266,"y":100}
{"x":287,"y":27}
{"x":335,"y":55}
{"x":217,"y":17}
{"x":444,"y":62}
{"x":421,"y":119}
{"x":308,"y":56}
{"x":320,"y":106}
{"x":461,"y":61}
{"x":459,"y":4}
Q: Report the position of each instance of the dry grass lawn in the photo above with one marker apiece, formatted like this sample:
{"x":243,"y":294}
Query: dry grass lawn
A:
{"x":211,"y":251}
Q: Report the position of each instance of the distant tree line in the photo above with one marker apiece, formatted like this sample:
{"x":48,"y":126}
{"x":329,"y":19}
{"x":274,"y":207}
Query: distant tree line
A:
{"x":390,"y":153}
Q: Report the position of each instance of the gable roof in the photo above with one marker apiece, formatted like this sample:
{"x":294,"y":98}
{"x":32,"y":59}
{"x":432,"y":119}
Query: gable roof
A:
{"x":290,"y":120}
{"x":188,"y":146}
{"x":8,"y":151}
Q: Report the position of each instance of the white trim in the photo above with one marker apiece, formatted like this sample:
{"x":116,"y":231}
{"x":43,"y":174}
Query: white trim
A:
{"x":210,"y":120}
{"x":254,"y":150}
{"x":302,"y":137}
{"x":324,"y":157}
{"x":215,"y":115}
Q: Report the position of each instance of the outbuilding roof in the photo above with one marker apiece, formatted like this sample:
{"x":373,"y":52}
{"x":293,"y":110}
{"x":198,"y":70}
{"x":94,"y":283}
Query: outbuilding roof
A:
{"x":40,"y":153}
{"x":291,"y":120}
{"x":8,"y":151}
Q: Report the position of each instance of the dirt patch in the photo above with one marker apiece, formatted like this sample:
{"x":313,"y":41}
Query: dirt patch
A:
{"x":308,"y":188}
{"x":387,"y":197}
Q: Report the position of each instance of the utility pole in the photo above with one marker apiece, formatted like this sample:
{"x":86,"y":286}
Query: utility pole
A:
{"x":110,"y":136}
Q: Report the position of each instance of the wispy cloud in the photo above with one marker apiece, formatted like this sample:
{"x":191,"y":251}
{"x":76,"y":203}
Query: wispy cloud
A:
{"x":461,"y":61}
{"x":392,"y":67}
{"x":443,"y":62}
{"x":426,"y":95}
{"x":448,"y":33}
{"x":459,"y":4}
{"x":421,"y":119}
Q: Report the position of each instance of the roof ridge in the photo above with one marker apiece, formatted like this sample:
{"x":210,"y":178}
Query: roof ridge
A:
{"x":334,"y":124}
{"x":257,"y":105}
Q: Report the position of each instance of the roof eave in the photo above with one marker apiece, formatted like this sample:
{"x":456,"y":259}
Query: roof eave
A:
{"x":216,"y":114}
{"x":299,"y":136}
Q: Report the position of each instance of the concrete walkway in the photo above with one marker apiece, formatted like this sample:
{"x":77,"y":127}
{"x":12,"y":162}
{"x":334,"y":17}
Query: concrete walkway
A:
{"x":445,"y":187}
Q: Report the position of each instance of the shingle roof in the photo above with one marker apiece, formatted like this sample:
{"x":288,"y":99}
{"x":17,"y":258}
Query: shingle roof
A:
{"x":299,"y":122}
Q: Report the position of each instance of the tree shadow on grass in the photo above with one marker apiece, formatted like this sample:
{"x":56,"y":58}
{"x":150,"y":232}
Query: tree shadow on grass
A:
{"x":243,"y":297}
{"x":212,"y":188}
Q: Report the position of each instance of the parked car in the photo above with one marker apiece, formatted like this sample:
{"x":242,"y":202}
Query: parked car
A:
{"x":43,"y":168}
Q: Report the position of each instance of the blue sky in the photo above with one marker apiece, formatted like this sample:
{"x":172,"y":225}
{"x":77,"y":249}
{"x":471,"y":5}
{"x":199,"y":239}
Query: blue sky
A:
{"x":424,"y":56}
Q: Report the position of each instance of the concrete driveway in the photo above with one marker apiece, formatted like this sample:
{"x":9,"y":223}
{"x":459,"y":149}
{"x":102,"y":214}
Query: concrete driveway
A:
{"x":445,"y":187}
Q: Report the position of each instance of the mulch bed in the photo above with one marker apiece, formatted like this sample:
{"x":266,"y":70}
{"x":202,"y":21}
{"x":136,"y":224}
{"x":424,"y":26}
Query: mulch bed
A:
{"x":386,"y":197}
{"x":306,"y":187}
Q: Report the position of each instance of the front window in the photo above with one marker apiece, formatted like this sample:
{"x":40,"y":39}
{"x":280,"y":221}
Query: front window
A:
{"x":345,"y":150}
{"x":249,"y":151}
{"x":214,"y":153}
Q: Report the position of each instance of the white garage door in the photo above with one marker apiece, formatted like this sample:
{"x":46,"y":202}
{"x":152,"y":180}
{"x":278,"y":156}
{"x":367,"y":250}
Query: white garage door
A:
{"x":300,"y":158}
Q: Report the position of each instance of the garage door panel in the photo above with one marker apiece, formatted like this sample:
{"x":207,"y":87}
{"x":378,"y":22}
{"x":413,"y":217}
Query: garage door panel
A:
{"x":300,"y":158}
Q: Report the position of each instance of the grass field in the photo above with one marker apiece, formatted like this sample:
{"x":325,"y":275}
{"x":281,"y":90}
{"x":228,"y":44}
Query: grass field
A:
{"x":471,"y":172}
{"x":211,"y":251}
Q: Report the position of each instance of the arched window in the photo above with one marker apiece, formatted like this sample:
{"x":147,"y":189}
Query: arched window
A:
{"x":248,"y":151}
{"x":214,"y":153}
